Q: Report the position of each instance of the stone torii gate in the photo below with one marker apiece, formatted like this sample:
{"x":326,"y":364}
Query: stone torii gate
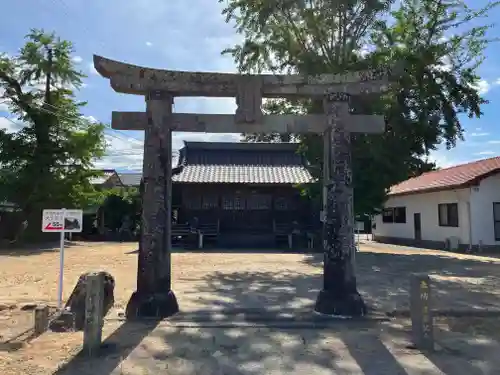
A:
{"x":154,"y":296}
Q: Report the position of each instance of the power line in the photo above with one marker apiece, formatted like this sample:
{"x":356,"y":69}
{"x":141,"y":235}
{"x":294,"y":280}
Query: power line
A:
{"x":128,"y":139}
{"x":107,"y":127}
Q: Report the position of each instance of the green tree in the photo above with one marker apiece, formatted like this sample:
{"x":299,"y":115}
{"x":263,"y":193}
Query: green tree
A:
{"x":48,"y":163}
{"x":440,"y":42}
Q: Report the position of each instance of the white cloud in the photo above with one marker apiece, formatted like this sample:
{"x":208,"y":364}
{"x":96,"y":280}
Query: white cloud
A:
{"x":441,"y":160}
{"x":127,"y":153}
{"x":77,"y":59}
{"x":90,"y":118}
{"x":149,"y":44}
{"x":482,"y":86}
{"x":10,"y":125}
{"x":92,"y":69}
{"x":494,"y":142}
{"x":3,"y":102}
{"x":484,"y":153}
{"x":483,"y":134}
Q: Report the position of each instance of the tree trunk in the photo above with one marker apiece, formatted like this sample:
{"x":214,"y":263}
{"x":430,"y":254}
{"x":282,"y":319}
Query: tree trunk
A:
{"x":339,"y":295}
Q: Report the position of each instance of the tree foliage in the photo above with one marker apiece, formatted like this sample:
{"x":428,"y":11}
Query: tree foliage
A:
{"x":438,"y":41}
{"x":120,"y":203}
{"x":48,"y":162}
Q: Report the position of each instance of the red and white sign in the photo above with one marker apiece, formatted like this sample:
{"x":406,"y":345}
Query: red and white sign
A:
{"x":62,"y":220}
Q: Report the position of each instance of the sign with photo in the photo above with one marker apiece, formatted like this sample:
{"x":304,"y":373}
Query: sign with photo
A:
{"x":62,"y":220}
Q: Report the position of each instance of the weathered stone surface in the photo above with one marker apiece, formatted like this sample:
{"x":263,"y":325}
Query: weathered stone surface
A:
{"x":29,"y":306}
{"x":76,"y":302}
{"x":94,"y":318}
{"x":7,"y":306}
{"x":226,"y":123}
{"x":41,"y":317}
{"x":153,"y":294}
{"x":154,"y":305}
{"x":339,"y":295}
{"x":63,"y":322}
{"x":248,"y":100}
{"x":422,"y":320}
{"x":133,"y":79}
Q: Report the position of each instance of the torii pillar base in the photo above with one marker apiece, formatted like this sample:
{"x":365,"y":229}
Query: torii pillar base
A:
{"x":158,"y":305}
{"x":335,"y":304}
{"x":339,"y":296}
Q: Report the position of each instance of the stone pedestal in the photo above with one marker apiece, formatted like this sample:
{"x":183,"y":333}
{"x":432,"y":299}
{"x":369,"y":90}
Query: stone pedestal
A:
{"x":153,"y":305}
{"x":339,"y":295}
{"x":73,"y":315}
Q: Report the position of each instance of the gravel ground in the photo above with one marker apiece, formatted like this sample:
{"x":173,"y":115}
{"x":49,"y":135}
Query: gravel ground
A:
{"x":266,"y":281}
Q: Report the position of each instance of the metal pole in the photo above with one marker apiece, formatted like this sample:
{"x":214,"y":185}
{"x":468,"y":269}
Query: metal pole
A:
{"x":61,"y":265}
{"x":357,"y":235}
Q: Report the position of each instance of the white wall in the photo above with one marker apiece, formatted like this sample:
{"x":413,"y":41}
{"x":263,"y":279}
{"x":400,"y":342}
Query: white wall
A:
{"x":481,"y":200}
{"x":427,"y":206}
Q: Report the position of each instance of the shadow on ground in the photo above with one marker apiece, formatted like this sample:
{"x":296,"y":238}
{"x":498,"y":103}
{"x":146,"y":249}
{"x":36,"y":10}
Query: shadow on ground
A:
{"x":458,"y":284}
{"x":35,"y":249}
{"x":261,"y":322}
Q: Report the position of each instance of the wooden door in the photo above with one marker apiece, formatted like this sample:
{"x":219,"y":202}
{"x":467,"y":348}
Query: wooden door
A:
{"x":417,"y":226}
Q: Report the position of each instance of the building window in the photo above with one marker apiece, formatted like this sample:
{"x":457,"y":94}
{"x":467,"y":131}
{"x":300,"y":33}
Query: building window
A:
{"x":280,"y":204}
{"x":388,"y":215}
{"x":228,"y":203}
{"x":210,"y":201}
{"x":259,"y":202}
{"x":496,"y":220}
{"x":192,"y":202}
{"x":394,"y":215}
{"x":400,"y":215}
{"x":448,"y":214}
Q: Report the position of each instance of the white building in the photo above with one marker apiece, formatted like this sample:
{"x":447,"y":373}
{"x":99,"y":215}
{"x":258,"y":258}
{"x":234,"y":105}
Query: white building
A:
{"x":457,"y":206}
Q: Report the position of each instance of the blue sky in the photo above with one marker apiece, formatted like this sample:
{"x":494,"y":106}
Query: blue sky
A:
{"x":187,"y":35}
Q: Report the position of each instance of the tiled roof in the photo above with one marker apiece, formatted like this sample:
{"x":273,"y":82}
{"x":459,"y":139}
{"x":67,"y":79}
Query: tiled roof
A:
{"x":236,"y":163}
{"x":106,"y":174}
{"x":130,"y":179}
{"x":448,"y":178}
{"x":244,"y":174}
{"x":242,"y":163}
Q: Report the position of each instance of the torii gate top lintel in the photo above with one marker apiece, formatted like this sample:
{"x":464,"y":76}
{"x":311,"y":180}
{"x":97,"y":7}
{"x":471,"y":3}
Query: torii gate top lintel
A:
{"x":133,"y":79}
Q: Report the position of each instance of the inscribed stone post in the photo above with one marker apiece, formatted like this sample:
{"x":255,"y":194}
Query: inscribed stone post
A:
{"x":339,"y":295}
{"x":154,"y":297}
{"x":41,"y":316}
{"x":421,"y":312}
{"x":94,"y":319}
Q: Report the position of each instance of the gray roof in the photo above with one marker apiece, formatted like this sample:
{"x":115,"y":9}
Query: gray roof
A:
{"x":236,"y":163}
{"x":106,"y":174}
{"x":130,"y":179}
{"x":244,"y":174}
{"x":242,"y":163}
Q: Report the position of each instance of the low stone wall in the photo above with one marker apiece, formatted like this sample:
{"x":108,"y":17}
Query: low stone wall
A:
{"x":435,"y":245}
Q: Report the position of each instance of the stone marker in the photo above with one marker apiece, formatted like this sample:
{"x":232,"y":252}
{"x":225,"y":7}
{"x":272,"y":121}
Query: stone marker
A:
{"x":41,"y":316}
{"x":421,"y":312}
{"x":73,"y":315}
{"x":94,"y":317}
